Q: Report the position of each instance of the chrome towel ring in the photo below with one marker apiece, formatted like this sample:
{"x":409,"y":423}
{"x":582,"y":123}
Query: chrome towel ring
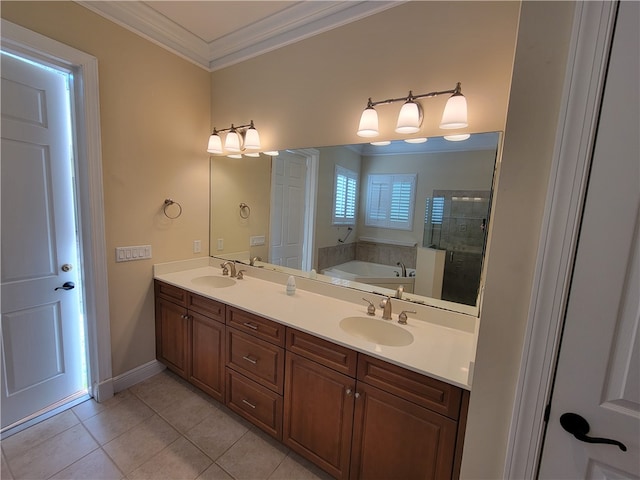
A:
{"x":167,"y":203}
{"x":245,"y":210}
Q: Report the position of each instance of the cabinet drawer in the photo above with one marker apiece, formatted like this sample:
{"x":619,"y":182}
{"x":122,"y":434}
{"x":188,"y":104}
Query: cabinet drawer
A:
{"x":262,"y":362}
{"x":259,"y":405}
{"x":322,"y":351}
{"x":206,"y":306}
{"x":260,"y":327}
{"x":428,"y":392}
{"x":171,"y":293}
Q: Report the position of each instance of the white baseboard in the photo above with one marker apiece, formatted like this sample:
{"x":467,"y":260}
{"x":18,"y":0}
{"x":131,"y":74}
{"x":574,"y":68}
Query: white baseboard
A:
{"x":137,"y":375}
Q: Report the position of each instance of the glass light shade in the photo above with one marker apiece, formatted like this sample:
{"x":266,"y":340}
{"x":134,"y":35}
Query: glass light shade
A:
{"x":409,"y":119}
{"x":215,"y":144}
{"x":252,"y":139}
{"x":458,"y":137}
{"x":416,"y":140}
{"x":368,"y":123}
{"x":272,"y":153}
{"x":455,"y":112}
{"x":382,"y":143}
{"x":232,"y":142}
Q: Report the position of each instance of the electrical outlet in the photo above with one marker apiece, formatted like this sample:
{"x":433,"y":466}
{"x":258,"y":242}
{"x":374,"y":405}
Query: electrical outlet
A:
{"x":220,"y":244}
{"x":197,"y":246}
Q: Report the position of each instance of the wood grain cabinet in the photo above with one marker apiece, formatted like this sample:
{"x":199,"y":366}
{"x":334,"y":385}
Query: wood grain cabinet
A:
{"x":255,"y":369}
{"x":353,"y":415}
{"x":190,"y":337}
{"x":385,"y":423}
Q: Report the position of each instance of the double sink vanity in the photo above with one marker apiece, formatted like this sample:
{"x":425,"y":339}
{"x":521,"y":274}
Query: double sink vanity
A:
{"x":359,"y":396}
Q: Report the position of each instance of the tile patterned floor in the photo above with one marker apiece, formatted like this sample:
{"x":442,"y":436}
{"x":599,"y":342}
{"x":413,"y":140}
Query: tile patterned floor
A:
{"x":162,"y":428}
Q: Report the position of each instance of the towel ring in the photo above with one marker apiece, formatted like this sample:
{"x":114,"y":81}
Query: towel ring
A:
{"x":167,"y":203}
{"x":245,"y":211}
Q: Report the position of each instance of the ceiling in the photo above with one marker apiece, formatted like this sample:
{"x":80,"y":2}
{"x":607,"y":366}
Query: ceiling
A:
{"x":216,"y":34}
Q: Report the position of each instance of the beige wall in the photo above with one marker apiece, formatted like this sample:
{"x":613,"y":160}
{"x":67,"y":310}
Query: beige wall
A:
{"x":155,"y":120}
{"x":155,"y":117}
{"x":311,"y":93}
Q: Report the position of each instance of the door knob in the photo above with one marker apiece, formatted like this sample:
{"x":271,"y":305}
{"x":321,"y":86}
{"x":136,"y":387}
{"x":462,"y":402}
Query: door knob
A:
{"x":66,"y":286}
{"x":579,"y":427}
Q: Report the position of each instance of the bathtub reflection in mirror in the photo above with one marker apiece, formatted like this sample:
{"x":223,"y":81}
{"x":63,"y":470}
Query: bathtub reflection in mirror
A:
{"x":364,"y":216}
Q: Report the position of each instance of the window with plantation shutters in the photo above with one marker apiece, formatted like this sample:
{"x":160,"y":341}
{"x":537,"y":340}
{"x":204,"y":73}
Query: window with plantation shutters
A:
{"x":434,"y":211}
{"x":390,"y":201}
{"x":345,"y":198}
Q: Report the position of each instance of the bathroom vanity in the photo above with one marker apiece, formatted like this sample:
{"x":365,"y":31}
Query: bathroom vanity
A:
{"x":355,"y":408}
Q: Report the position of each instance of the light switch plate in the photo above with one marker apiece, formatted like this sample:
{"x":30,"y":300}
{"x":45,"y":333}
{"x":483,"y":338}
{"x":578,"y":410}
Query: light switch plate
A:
{"x":129,"y":254}
{"x":256,"y":240}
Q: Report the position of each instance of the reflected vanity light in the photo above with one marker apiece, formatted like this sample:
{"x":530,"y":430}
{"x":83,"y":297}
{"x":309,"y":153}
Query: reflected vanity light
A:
{"x":382,"y":143}
{"x":238,"y":139}
{"x":457,"y":137}
{"x":416,"y":140}
{"x":410,"y":117}
{"x":272,"y":153}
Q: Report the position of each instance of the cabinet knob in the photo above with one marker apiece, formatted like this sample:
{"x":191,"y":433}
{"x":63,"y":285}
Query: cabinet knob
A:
{"x":357,"y":395}
{"x":349,"y":392}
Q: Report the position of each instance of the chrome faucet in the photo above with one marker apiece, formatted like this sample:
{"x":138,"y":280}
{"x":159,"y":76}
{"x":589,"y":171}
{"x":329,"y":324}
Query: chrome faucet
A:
{"x":403,"y":267}
{"x":252,"y":262}
{"x":231,"y":266}
{"x":385,"y":305}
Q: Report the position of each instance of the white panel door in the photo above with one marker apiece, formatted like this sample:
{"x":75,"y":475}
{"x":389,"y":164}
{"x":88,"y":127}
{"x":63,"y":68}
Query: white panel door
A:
{"x":598,"y":376}
{"x":288,"y":191}
{"x":42,"y":324}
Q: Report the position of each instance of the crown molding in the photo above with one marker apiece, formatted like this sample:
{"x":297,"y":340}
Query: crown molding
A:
{"x":299,"y":21}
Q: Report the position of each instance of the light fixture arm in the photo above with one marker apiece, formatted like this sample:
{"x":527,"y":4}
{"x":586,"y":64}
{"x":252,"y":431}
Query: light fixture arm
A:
{"x":239,"y":129}
{"x":411,"y":96}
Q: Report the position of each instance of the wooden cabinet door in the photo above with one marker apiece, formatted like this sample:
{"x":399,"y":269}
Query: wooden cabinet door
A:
{"x":206,"y":355}
{"x":318,"y":414}
{"x":395,"y":438}
{"x":172,"y":336}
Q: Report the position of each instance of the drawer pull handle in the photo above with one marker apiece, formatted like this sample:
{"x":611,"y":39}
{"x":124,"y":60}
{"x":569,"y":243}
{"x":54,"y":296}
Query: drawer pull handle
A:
{"x":249,"y":359}
{"x":248,"y":403}
{"x":252,"y":326}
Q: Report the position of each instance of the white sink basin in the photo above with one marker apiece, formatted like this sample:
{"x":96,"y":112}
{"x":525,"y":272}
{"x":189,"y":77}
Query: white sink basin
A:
{"x":381,"y":332}
{"x":213,"y":281}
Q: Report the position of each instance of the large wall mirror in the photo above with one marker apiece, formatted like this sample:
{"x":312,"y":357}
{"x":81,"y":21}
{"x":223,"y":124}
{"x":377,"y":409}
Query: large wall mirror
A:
{"x":371,"y":217}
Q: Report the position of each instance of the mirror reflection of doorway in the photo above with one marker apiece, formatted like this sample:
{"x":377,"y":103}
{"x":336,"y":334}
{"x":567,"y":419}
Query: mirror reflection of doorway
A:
{"x":292,"y":209}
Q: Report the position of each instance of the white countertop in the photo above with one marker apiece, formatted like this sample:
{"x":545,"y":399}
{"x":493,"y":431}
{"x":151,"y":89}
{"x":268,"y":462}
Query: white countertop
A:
{"x":438,"y":351}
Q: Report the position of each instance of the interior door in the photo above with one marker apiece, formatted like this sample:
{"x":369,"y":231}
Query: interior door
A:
{"x":42,"y":353}
{"x":598,"y":373}
{"x":288,"y":191}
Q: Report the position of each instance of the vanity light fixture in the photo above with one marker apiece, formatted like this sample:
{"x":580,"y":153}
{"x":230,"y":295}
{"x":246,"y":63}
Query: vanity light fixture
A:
{"x":410,"y":117}
{"x":238,"y":139}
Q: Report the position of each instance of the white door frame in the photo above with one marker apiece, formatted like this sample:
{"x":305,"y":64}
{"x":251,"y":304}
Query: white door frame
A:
{"x":89,"y":186}
{"x":584,"y":82}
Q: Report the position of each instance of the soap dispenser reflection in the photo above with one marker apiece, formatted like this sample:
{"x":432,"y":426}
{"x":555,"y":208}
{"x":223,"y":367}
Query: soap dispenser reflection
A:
{"x":291,"y":285}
